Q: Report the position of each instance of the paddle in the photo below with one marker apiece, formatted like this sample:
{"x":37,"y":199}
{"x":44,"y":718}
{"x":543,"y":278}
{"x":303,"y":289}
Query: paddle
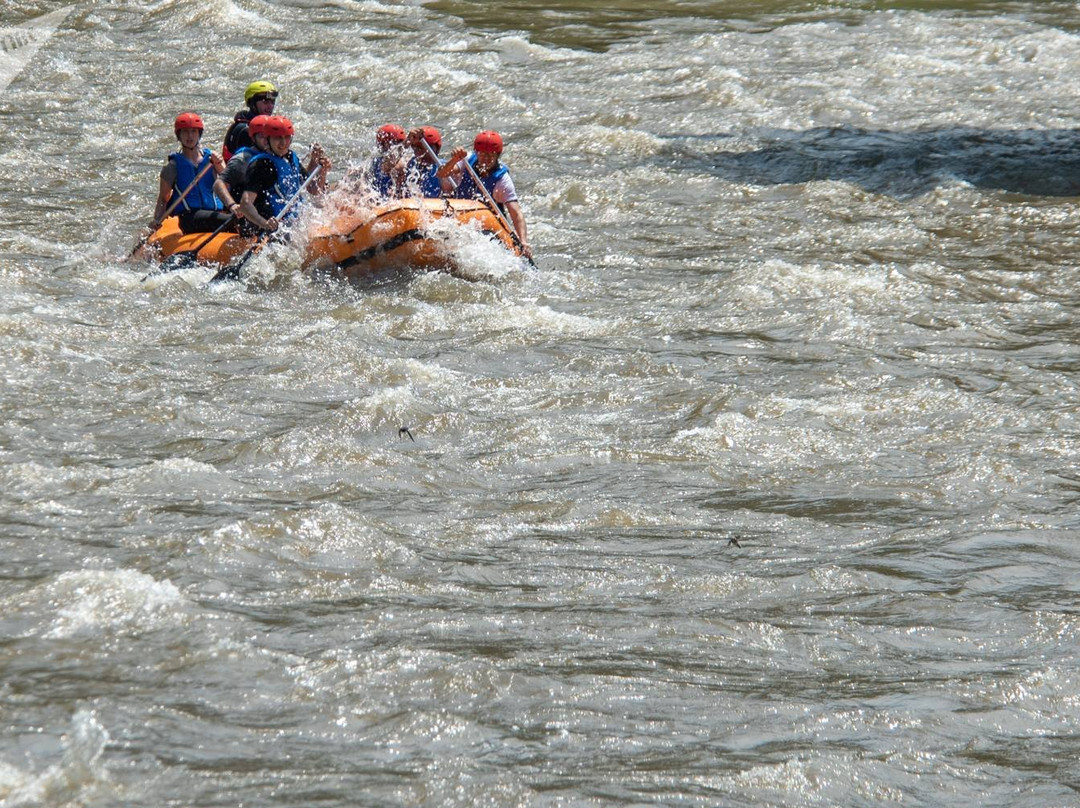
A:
{"x":231,"y":272}
{"x":488,"y":200}
{"x":169,"y":210}
{"x":185,"y":258}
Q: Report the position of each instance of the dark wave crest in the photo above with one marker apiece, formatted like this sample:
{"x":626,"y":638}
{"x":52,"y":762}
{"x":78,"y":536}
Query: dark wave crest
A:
{"x":1043,"y":162}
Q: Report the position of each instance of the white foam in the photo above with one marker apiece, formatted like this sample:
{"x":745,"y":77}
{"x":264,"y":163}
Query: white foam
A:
{"x":95,"y":601}
{"x":80,"y":770}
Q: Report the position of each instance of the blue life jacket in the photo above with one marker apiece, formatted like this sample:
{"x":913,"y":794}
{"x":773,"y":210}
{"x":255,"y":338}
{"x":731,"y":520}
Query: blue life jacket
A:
{"x":234,"y":173}
{"x":430,"y":186}
{"x":201,"y":197}
{"x":381,"y":182}
{"x":289,"y":179}
{"x":467,"y":188}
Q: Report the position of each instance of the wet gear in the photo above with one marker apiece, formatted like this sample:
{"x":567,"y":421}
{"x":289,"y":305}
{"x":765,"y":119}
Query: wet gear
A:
{"x":488,"y":141}
{"x":467,"y":188}
{"x":276,"y":180}
{"x":202,"y":196}
{"x":278,"y":126}
{"x":259,"y":88}
{"x":187,"y":120}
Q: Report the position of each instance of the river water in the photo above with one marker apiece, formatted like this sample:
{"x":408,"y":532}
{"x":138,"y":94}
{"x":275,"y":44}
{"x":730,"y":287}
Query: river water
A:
{"x":761,"y":490}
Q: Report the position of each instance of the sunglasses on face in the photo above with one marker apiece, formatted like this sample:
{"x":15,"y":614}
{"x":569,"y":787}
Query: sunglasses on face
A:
{"x":271,"y":97}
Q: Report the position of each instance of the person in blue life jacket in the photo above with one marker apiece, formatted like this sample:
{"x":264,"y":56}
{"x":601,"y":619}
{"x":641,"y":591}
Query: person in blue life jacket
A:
{"x":419,"y":173}
{"x":230,"y":184}
{"x":487,"y":149}
{"x":260,"y":97}
{"x":199,"y":210}
{"x":382,"y":175}
{"x":274,"y":177}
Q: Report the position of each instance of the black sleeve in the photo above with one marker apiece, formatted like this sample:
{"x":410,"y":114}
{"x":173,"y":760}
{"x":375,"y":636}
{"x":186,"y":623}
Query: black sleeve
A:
{"x":237,"y":137}
{"x":261,"y":175}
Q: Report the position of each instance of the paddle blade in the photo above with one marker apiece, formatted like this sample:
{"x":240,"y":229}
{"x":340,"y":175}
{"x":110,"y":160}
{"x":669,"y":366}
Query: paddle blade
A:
{"x":230,"y":272}
{"x":176,"y":261}
{"x":173,"y":263}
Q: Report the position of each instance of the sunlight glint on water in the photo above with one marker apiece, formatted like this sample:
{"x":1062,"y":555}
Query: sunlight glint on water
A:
{"x":761,"y":491}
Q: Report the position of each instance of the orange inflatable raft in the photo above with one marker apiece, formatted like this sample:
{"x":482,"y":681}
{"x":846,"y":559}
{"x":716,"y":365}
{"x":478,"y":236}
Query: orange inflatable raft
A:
{"x":397,"y":235}
{"x":168,"y":240}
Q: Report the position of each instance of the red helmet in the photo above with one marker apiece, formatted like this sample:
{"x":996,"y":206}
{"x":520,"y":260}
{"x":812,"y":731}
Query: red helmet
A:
{"x":389,"y":135}
{"x":187,"y":120}
{"x":257,"y":125}
{"x":488,"y":141}
{"x":278,"y":126}
{"x":432,"y":136}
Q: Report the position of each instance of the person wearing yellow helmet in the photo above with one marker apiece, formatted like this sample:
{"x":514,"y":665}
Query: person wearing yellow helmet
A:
{"x":260,"y":97}
{"x":229,"y":185}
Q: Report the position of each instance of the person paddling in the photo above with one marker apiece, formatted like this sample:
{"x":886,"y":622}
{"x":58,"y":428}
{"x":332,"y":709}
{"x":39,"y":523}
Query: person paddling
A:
{"x":260,"y":97}
{"x":274,"y":176}
{"x":186,"y":182}
{"x":494,"y":176}
{"x":389,"y":140}
{"x":230,"y":184}
{"x":420,"y":172}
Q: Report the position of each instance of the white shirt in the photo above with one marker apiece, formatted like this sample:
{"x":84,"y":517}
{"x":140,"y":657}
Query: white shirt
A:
{"x":503,"y":191}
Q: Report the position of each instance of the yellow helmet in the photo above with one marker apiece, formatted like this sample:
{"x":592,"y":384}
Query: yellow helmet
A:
{"x":259,"y":88}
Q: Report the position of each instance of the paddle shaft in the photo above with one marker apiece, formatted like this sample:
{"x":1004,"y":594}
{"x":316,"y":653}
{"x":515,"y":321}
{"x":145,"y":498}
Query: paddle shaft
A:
{"x":487,"y":198}
{"x":232,"y":271}
{"x":495,"y":209}
{"x":193,"y":253}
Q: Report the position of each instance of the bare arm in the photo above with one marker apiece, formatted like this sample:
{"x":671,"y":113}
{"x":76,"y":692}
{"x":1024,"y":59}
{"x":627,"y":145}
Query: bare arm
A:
{"x":164,"y":192}
{"x":517,"y":218}
{"x":247,"y":208}
{"x":452,"y":168}
{"x":222,"y":191}
{"x":318,"y":157}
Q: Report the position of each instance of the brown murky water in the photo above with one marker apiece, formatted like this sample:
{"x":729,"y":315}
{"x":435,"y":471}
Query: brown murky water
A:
{"x":806,"y":283}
